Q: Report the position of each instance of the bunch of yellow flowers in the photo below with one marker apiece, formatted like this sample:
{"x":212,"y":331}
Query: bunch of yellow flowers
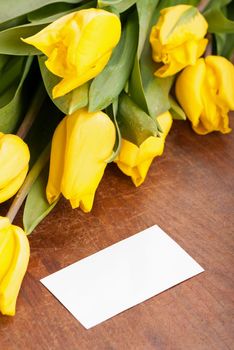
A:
{"x":117,"y":75}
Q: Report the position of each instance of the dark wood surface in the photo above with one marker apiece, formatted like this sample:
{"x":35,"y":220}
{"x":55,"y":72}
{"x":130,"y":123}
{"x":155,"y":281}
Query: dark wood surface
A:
{"x":189,"y":192}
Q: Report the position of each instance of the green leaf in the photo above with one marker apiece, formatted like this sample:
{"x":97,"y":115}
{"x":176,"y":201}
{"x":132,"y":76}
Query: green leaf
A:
{"x":228,"y":48}
{"x":36,"y":206}
{"x":13,"y":22}
{"x":217,"y":22}
{"x":49,"y":11}
{"x":136,"y":87}
{"x":147,"y":91}
{"x":220,"y":39}
{"x":156,"y":90}
{"x":78,"y":98}
{"x":11,"y":43}
{"x":118,"y":6}
{"x":10,"y":9}
{"x":135,"y":125}
{"x":111,"y":81}
{"x":13,"y":97}
{"x":112,"y":112}
{"x":217,"y":4}
{"x":145,"y":9}
{"x":52,"y":12}
{"x":175,"y":110}
{"x":225,"y":41}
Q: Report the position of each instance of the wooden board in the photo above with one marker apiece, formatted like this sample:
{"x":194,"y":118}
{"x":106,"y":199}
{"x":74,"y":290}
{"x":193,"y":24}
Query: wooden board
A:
{"x":189,"y":192}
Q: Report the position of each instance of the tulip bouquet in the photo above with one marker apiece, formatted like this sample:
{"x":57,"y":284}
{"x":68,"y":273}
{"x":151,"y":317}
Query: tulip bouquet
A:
{"x":86,"y":83}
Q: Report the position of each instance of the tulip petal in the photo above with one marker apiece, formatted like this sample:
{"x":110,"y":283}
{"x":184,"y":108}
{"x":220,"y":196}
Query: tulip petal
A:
{"x":205,"y":91}
{"x":165,"y":121}
{"x":135,"y":161}
{"x":6,"y":247}
{"x":13,"y":186}
{"x":73,"y":46}
{"x":223,"y":70}
{"x":14,"y":158}
{"x":11,"y":282}
{"x":53,"y":188}
{"x":179,"y":23}
{"x":47,"y":39}
{"x":177,"y":39}
{"x":90,"y":140}
{"x":188,"y":90}
{"x":85,"y":203}
{"x":73,"y":81}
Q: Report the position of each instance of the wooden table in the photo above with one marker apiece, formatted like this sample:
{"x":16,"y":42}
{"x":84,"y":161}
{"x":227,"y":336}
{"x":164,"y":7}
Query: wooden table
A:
{"x":189,"y":193}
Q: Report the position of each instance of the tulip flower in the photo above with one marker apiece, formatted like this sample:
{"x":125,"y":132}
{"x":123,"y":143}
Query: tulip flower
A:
{"x":135,"y":161}
{"x":14,"y":257}
{"x":14,"y":159}
{"x":177,"y":39}
{"x":206,"y":93}
{"x":81,"y":146}
{"x":78,"y":46}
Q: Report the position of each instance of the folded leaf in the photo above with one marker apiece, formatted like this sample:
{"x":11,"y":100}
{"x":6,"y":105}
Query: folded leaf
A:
{"x":156,"y":90}
{"x":135,"y":125}
{"x":112,"y":113}
{"x":36,"y":206}
{"x":136,"y":89}
{"x":145,"y":10}
{"x":111,"y":81}
{"x":175,"y":110}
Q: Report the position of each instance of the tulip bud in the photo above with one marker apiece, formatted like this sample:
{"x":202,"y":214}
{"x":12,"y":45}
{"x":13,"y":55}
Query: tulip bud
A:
{"x":135,"y":161}
{"x":81,"y":146}
{"x":78,"y":46}
{"x":206,"y":93}
{"x":177,"y":39}
{"x":14,"y":257}
{"x":14,"y":159}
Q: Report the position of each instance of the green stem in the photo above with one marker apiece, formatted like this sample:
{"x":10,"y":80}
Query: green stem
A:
{"x":32,"y":111}
{"x":28,"y":182}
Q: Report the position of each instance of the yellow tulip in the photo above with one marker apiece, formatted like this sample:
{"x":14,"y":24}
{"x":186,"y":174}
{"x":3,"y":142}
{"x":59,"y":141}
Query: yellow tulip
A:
{"x":14,"y":159}
{"x":81,"y":146}
{"x":135,"y":161}
{"x":14,"y":257}
{"x":177,"y":39}
{"x":78,"y":46}
{"x":206,"y":93}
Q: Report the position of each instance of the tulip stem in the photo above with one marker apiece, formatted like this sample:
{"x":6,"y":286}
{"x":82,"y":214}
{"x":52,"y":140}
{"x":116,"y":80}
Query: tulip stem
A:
{"x":32,"y":111}
{"x":208,"y":51}
{"x":202,"y":5}
{"x":28,"y":182}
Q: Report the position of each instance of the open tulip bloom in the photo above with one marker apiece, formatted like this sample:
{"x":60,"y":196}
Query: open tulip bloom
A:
{"x":104,"y":81}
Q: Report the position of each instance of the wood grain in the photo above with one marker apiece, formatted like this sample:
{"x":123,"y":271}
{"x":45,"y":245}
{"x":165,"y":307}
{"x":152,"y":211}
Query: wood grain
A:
{"x":189,"y":192}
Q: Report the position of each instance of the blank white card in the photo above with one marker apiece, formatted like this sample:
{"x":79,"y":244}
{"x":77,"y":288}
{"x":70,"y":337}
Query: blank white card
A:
{"x":121,"y":276}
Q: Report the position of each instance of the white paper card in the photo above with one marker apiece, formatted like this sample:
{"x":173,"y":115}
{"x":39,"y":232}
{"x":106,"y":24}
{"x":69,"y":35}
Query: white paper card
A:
{"x":121,"y":276}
